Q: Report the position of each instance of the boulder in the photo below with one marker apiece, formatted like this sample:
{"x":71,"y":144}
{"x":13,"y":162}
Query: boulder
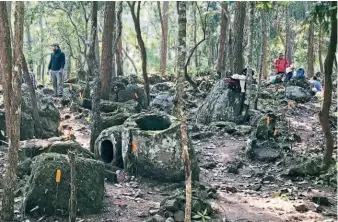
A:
{"x":265,"y":151}
{"x":134,"y":92}
{"x":31,"y":148}
{"x":163,"y":102}
{"x":310,"y":167}
{"x":42,"y":194}
{"x":49,"y":116}
{"x":48,"y":91}
{"x":265,"y":131}
{"x":162,"y":87}
{"x":150,"y":146}
{"x":297,"y":94}
{"x":301,"y":82}
{"x":155,"y":78}
{"x":222,"y":104}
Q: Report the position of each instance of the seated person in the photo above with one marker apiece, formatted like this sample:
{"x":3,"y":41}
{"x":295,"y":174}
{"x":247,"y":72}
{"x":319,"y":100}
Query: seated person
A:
{"x":300,"y":73}
{"x":315,"y":85}
{"x":289,"y":73}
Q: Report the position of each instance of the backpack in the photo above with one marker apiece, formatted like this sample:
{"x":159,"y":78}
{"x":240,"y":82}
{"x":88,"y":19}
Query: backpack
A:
{"x":233,"y":84}
{"x":300,"y":73}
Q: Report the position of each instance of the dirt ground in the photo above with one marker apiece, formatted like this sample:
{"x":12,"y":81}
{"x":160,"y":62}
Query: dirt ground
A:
{"x":131,"y":199}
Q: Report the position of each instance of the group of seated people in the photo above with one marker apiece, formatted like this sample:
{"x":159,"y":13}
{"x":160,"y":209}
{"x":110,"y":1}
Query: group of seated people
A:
{"x":285,"y":72}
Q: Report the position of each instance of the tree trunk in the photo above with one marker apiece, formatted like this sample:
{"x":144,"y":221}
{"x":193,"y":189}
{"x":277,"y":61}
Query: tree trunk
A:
{"x":248,"y":85}
{"x":97,"y":49}
{"x":41,"y":44}
{"x":131,"y":60}
{"x":210,"y":59}
{"x":325,"y":112}
{"x":195,"y":34}
{"x":107,"y":53}
{"x":29,"y":42}
{"x":320,"y":41}
{"x":94,"y":69}
{"x":222,"y":38}
{"x":239,"y":33}
{"x":118,"y":51}
{"x":264,"y":45}
{"x":288,"y":28}
{"x":36,"y":116}
{"x":72,"y":199}
{"x":231,"y":54}
{"x":263,"y":57}
{"x":164,"y":36}
{"x":310,"y":54}
{"x":9,"y":14}
{"x":179,"y":106}
{"x":136,"y":19}
{"x":12,"y":99}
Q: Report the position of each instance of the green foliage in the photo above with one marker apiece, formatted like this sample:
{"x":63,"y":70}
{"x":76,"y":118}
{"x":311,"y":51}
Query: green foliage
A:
{"x":202,"y":216}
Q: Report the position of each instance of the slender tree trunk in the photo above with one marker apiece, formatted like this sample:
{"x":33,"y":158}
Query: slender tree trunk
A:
{"x":248,"y":85}
{"x":179,"y":106}
{"x":288,"y":35}
{"x":107,"y":53}
{"x":264,"y":45}
{"x":263,"y":70}
{"x":320,"y":41}
{"x":136,"y":19}
{"x":118,"y":51}
{"x":131,"y":60}
{"x":41,"y":44}
{"x":12,"y":99}
{"x":36,"y":116}
{"x":72,"y":199}
{"x":164,"y":36}
{"x":9,"y":14}
{"x":97,"y":49}
{"x":29,"y":42}
{"x":94,"y":69}
{"x":310,"y":54}
{"x":222,"y":37}
{"x":210,"y":59}
{"x":231,"y":54}
{"x":195,"y":35}
{"x":239,"y":33}
{"x":325,"y":112}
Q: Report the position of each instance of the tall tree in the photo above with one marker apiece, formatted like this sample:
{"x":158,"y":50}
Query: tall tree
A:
{"x":42,"y":65}
{"x":94,"y":69}
{"x":119,"y":53}
{"x":164,"y":37}
{"x":263,"y":70}
{"x":11,"y":82}
{"x":239,"y":33}
{"x":195,"y":34}
{"x":328,"y":65}
{"x":29,"y":38}
{"x":320,"y":44}
{"x":288,"y":30}
{"x":310,"y":52}
{"x":179,"y":106}
{"x":107,"y":46}
{"x":222,"y":38}
{"x":136,"y":19}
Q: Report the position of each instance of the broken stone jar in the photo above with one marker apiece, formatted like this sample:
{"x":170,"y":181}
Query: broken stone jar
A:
{"x":149,"y":145}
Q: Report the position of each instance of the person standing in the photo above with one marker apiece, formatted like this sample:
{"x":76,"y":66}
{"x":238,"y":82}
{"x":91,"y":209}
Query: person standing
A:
{"x":55,"y":69}
{"x":281,"y":64}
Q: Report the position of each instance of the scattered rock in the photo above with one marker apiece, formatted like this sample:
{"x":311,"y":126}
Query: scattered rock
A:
{"x":163,"y":102}
{"x":297,"y":94}
{"x":309,"y":167}
{"x":321,"y":200}
{"x":265,"y":151}
{"x":90,"y":186}
{"x":301,"y":207}
{"x":156,"y":218}
{"x":134,"y":92}
{"x":179,"y":216}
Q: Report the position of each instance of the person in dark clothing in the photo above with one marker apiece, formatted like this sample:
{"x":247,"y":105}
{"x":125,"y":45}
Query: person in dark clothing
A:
{"x":55,"y":69}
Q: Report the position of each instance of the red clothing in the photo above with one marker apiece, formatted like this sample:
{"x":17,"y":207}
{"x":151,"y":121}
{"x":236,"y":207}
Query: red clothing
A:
{"x":281,"y":65}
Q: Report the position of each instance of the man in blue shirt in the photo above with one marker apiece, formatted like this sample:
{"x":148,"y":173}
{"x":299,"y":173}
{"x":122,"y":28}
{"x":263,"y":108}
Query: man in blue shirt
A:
{"x":316,"y":85}
{"x":55,"y":68}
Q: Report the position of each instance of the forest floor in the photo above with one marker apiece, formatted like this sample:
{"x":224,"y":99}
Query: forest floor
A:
{"x":248,"y":195}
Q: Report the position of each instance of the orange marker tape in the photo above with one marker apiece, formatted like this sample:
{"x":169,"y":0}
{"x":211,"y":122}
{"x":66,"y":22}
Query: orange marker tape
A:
{"x":58,"y":176}
{"x":70,"y":87}
{"x":289,"y":105}
{"x":134,"y":146}
{"x":268,"y":120}
{"x":276,"y":132}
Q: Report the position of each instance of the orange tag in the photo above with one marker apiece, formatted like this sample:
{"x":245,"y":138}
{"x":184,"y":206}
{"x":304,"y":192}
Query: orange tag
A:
{"x":134,"y":146}
{"x":58,"y":176}
{"x":136,"y":96}
{"x":289,"y":105}
{"x":276,"y":132}
{"x":70,"y":87}
{"x":268,"y":120}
